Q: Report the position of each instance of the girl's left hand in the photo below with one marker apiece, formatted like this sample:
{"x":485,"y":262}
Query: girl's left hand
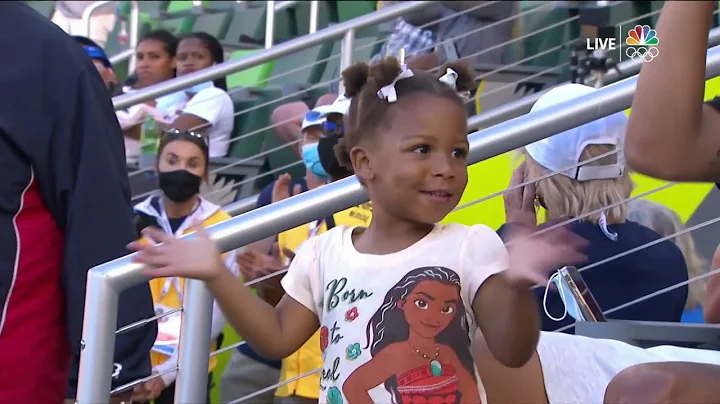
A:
{"x":534,"y":257}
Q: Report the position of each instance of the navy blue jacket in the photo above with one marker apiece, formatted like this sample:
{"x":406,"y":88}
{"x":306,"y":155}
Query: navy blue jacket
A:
{"x":64,"y":208}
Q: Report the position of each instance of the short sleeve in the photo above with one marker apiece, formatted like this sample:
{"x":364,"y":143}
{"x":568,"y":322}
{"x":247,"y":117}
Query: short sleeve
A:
{"x":482,"y":255}
{"x":302,"y":281}
{"x":209,"y":104}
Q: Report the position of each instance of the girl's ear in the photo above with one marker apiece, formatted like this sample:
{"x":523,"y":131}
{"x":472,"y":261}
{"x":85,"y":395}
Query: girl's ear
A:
{"x":401,"y":304}
{"x":361,"y":164}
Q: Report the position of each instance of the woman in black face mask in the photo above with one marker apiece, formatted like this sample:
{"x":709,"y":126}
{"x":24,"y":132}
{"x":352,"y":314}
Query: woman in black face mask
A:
{"x":182,"y":166}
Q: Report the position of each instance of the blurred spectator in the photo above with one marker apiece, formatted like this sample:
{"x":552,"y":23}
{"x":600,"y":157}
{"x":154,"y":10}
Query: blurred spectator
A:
{"x":594,"y":193}
{"x":64,"y":208}
{"x":100,"y":60}
{"x":465,"y":30}
{"x":207,"y":107}
{"x":182,"y":165}
{"x":665,"y":222}
{"x":155,"y":55}
{"x":712,"y":307}
{"x":68,"y":16}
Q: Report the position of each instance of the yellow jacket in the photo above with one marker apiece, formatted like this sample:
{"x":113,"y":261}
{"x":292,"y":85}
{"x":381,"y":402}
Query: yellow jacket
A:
{"x":167,"y":292}
{"x":309,"y":357}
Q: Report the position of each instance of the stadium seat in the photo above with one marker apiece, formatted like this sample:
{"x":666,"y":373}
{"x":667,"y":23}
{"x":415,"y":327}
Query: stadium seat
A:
{"x":214,"y":23}
{"x":347,"y":10}
{"x":253,"y":77}
{"x":327,"y":14}
{"x":248,"y":27}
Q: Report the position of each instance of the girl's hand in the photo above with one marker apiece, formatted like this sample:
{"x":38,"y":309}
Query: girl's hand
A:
{"x":534,"y":257}
{"x":520,"y":202}
{"x":196,"y":258}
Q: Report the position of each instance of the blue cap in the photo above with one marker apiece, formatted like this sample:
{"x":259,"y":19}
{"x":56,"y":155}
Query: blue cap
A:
{"x":98,"y":53}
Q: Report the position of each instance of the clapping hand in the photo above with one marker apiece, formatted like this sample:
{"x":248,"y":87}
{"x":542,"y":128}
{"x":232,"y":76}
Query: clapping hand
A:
{"x":254,"y":265}
{"x":281,"y":188}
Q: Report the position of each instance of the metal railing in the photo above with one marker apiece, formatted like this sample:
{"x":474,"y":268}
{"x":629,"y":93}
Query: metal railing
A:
{"x":105,"y":282}
{"x":343,"y":29}
{"x":502,"y":113}
{"x":273,"y":8}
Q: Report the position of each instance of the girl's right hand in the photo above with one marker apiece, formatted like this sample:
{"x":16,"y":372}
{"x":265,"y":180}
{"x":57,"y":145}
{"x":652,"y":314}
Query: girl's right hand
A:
{"x":196,"y":258}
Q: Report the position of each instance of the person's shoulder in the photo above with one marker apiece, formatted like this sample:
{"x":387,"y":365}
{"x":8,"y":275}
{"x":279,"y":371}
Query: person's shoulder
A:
{"x":212,"y":93}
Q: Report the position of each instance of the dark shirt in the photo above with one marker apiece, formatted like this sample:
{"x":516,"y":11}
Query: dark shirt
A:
{"x":626,"y":278}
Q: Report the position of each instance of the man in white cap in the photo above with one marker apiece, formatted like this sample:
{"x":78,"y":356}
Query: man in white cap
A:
{"x":593,"y":193}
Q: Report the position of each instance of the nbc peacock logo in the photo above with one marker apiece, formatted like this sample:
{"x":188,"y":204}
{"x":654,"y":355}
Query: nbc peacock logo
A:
{"x":641,"y":42}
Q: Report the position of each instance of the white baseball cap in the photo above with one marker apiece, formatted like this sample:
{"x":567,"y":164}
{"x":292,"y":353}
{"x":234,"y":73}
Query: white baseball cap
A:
{"x":558,"y":152}
{"x":313,"y":117}
{"x":340,"y":106}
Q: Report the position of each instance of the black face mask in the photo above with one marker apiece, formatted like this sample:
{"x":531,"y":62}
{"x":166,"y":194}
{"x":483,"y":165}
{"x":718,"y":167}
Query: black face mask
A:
{"x":179,"y":185}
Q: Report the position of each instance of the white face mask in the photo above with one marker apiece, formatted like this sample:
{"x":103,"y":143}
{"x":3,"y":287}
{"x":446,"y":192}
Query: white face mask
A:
{"x":570,"y":304}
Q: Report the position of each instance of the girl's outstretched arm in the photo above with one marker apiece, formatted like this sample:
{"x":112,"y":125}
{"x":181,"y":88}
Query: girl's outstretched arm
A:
{"x":500,"y":277}
{"x":273,"y":332}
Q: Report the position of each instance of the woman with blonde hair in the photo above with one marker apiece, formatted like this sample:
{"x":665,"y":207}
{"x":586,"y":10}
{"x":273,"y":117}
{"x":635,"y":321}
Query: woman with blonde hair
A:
{"x":580,"y":174}
{"x":664,"y":221}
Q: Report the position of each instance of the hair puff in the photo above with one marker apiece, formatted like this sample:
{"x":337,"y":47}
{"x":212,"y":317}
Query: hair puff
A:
{"x":354,"y":79}
{"x":466,"y":78}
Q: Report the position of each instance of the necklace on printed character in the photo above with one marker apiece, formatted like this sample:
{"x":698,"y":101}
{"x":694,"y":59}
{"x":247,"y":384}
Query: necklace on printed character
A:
{"x":435,"y":365}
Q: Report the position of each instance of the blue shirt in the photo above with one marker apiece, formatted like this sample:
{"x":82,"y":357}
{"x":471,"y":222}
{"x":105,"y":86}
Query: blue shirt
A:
{"x":627,"y":278}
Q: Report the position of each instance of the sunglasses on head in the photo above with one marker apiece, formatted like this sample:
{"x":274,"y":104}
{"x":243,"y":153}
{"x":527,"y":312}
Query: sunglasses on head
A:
{"x":185,"y":134}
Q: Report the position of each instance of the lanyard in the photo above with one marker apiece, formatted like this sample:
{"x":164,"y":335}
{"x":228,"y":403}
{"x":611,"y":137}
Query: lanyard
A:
{"x":171,"y":281}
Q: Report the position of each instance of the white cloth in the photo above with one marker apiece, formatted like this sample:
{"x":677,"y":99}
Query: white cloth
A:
{"x":216,"y":107}
{"x":68,"y":16}
{"x":561,"y":151}
{"x":424,"y":291}
{"x":578,"y":369}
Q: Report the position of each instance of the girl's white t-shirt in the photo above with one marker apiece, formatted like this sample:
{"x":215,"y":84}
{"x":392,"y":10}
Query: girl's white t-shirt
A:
{"x":397,"y":327}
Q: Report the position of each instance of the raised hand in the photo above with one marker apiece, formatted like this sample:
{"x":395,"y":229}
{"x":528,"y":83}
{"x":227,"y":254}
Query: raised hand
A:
{"x":196,"y":258}
{"x":281,"y":188}
{"x":520,"y":202}
{"x":534,"y":256}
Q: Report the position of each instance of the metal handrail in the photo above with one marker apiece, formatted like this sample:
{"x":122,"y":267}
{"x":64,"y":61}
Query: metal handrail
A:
{"x":106,"y":281}
{"x":500,"y":114}
{"x":283,"y":49}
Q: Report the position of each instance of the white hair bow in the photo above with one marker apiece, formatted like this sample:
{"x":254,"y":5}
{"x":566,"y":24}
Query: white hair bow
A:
{"x":388,"y":92}
{"x":450,"y":79}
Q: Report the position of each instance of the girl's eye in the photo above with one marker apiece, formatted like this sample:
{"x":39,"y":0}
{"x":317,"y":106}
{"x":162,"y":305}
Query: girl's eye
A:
{"x":448,"y":309}
{"x":459,"y":153}
{"x":423,"y":149}
{"x":421,"y":304}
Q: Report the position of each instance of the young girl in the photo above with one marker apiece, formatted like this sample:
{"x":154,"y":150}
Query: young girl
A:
{"x":397,"y":301}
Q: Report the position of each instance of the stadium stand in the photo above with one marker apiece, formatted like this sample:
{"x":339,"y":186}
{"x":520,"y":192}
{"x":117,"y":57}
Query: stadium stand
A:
{"x":542,"y":53}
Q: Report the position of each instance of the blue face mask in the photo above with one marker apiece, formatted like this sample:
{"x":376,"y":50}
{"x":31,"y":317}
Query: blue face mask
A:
{"x":200,"y":86}
{"x":571,"y":306}
{"x":311,"y":157}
